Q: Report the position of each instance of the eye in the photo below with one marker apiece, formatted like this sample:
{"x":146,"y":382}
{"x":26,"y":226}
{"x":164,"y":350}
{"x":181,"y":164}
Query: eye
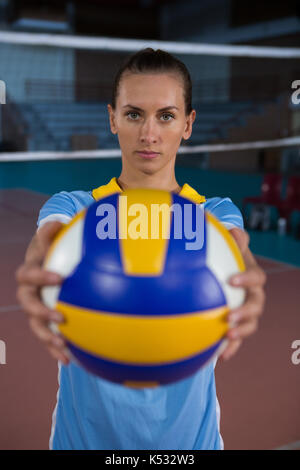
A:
{"x":169,"y":115}
{"x":132,"y":112}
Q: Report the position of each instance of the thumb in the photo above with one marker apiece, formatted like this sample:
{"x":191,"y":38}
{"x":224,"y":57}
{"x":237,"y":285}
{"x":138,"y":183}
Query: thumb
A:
{"x":241,"y":237}
{"x":47,"y":233}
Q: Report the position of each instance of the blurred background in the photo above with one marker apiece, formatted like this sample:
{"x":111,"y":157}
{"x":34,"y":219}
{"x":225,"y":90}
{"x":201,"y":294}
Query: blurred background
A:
{"x":58,"y":60}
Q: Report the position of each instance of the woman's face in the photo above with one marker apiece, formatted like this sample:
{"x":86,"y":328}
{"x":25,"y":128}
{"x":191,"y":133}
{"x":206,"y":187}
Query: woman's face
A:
{"x":142,"y":123}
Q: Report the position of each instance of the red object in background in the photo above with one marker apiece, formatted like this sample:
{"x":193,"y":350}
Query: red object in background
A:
{"x":292,"y":201}
{"x":270,"y":191}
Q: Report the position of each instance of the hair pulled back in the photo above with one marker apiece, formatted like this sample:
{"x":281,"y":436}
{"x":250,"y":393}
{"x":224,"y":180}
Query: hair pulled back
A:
{"x":155,"y":61}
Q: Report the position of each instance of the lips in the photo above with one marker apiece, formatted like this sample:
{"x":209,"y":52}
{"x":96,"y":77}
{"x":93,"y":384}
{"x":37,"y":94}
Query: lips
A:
{"x":147,"y":154}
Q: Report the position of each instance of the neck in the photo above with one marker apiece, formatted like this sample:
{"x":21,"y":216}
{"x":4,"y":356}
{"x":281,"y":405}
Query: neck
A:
{"x":164,"y":179}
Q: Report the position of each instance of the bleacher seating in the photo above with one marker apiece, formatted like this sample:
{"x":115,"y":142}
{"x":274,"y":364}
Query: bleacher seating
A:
{"x":52,"y":124}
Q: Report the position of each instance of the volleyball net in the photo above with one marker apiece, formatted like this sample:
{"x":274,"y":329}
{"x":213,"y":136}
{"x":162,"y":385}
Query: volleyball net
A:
{"x":56,"y":89}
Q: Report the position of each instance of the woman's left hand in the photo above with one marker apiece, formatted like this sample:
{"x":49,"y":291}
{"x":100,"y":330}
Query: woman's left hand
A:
{"x":253,"y":279}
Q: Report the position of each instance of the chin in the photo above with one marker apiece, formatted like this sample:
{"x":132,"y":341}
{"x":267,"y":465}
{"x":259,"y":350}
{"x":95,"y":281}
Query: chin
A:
{"x":149,"y":171}
{"x":149,"y":167}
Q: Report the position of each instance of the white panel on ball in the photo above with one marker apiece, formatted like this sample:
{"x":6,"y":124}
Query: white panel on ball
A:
{"x":64,"y":259}
{"x":222,"y":263}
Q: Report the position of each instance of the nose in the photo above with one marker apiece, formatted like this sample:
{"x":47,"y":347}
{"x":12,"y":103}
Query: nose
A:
{"x":149,"y":132}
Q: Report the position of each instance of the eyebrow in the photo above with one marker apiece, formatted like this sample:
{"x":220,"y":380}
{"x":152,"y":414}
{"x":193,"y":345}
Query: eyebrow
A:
{"x":139,"y":109}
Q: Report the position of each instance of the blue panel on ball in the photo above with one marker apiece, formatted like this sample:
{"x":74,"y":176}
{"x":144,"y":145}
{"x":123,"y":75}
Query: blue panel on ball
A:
{"x":99,"y":283}
{"x":187,"y":245}
{"x":170,"y":294}
{"x":121,"y":373}
{"x":101,"y":220}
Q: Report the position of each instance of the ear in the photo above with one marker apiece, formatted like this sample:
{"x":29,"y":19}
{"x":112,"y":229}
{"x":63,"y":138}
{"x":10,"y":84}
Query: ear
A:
{"x":189,"y":125}
{"x":112,"y":119}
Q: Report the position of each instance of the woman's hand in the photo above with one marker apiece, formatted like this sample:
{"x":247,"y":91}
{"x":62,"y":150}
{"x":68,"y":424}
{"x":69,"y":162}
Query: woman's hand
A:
{"x":253,"y":279}
{"x":30,"y":278}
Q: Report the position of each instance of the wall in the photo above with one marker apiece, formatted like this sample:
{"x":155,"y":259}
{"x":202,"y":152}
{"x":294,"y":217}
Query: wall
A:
{"x":70,"y":175}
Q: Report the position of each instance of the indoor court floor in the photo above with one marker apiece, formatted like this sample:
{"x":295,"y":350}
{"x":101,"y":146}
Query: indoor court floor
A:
{"x":258,"y":389}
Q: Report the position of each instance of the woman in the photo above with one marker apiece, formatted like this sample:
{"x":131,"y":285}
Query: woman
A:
{"x":151,"y":113}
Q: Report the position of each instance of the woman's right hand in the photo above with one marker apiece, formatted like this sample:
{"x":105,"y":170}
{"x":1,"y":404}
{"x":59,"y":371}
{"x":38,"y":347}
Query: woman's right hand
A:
{"x":31,"y":277}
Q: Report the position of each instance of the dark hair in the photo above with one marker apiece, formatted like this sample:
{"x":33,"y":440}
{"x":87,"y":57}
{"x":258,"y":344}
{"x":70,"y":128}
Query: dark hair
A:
{"x":150,"y":61}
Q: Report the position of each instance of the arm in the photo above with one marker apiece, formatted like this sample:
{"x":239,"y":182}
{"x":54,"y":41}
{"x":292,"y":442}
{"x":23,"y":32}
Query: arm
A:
{"x":253,"y":279}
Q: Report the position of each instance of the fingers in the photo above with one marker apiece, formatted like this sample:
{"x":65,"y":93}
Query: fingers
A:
{"x":243,"y":330}
{"x":39,"y":317}
{"x":252,"y":308}
{"x":42,"y":331}
{"x":34,"y":274}
{"x":30,"y":301}
{"x":231,"y":349}
{"x":241,"y":237}
{"x":253,"y":276}
{"x":59,"y":356}
{"x":245,"y":318}
{"x":30,"y":278}
{"x":54,"y":342}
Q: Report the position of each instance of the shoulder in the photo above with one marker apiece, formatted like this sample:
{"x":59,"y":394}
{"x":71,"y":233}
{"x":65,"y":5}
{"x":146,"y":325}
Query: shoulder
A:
{"x":63,"y":206}
{"x":226,"y":211}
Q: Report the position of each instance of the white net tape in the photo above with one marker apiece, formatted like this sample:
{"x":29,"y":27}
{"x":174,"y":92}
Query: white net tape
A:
{"x":110,"y":44}
{"x":115,"y":153}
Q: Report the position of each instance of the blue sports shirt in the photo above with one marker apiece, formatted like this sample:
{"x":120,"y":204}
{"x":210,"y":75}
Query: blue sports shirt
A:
{"x":94,"y":414}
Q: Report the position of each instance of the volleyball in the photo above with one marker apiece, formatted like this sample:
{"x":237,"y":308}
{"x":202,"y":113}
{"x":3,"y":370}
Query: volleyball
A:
{"x":145,"y":296}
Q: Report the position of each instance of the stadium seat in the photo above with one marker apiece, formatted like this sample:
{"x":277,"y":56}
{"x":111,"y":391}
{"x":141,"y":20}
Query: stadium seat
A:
{"x":292,"y":201}
{"x":270,"y":191}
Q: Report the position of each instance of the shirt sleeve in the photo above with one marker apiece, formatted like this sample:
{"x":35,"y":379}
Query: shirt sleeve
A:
{"x":59,"y":207}
{"x":227,"y":212}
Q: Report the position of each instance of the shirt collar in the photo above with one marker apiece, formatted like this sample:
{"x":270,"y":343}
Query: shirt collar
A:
{"x":112,"y":187}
